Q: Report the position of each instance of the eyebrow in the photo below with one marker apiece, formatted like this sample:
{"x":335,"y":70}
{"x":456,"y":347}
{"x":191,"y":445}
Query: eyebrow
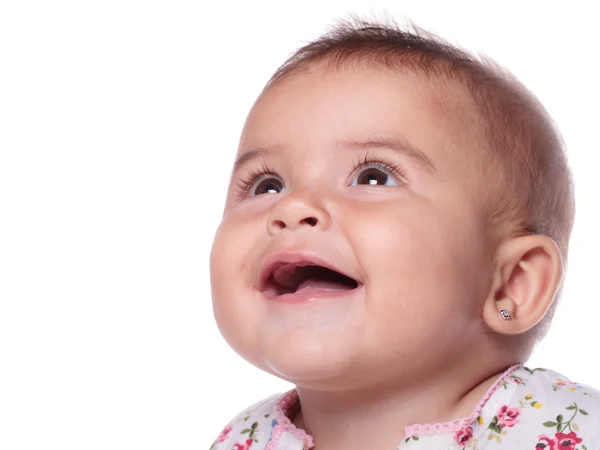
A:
{"x":399,"y":145}
{"x":250,"y":155}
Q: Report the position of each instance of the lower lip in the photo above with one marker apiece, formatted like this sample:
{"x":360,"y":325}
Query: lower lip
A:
{"x":312,"y":297}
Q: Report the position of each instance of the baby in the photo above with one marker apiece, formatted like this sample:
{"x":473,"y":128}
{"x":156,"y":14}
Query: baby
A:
{"x":393,"y":243}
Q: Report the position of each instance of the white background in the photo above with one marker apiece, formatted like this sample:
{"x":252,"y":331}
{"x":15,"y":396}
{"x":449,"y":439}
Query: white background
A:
{"x":119,"y":122}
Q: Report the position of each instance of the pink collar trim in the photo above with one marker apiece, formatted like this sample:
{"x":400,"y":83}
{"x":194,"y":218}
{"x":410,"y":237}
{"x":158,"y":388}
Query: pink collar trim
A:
{"x":288,"y":405}
{"x":459,"y":424}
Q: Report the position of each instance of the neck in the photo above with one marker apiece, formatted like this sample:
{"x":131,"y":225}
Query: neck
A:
{"x":376,"y":418}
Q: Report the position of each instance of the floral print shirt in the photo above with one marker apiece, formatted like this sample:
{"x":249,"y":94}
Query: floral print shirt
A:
{"x":524,"y":409}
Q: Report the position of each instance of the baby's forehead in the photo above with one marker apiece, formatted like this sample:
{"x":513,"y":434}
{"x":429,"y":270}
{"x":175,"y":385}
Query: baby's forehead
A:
{"x":358,"y":103}
{"x":436,"y":94}
{"x":440,"y":89}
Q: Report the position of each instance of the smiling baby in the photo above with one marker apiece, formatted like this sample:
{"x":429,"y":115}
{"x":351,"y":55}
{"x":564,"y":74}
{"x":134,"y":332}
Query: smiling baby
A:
{"x":393,"y":243}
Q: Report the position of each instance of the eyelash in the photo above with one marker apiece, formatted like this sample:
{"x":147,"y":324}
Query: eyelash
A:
{"x":246,"y":183}
{"x":382,"y":163}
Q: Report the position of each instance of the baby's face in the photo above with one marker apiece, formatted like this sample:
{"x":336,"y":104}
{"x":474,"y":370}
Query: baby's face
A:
{"x":408,"y":233}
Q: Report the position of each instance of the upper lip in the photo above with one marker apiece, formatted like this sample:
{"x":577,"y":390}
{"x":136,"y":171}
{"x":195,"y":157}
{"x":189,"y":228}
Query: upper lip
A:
{"x":276,"y":260}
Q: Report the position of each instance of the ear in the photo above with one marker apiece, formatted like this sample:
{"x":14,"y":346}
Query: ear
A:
{"x":527,"y":275}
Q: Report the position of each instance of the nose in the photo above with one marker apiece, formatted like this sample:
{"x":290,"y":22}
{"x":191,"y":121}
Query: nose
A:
{"x":297,"y":210}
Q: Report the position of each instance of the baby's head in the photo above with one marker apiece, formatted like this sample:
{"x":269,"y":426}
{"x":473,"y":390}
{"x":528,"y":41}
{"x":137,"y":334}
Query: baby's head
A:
{"x":433,"y":184}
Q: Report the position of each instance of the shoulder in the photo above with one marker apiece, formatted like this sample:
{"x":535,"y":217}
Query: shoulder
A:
{"x":250,"y":427}
{"x":556,"y":389}
{"x":558,"y":409}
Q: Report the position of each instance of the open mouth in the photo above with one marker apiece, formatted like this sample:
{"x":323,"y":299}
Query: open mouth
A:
{"x":294,"y":278}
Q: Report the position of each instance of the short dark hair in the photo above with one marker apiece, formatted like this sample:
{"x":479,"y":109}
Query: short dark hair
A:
{"x":528,"y":183}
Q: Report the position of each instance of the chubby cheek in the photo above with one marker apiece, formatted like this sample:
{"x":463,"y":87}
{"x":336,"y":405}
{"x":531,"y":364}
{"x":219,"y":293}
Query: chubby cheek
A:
{"x":230,"y":287}
{"x":420,"y":276}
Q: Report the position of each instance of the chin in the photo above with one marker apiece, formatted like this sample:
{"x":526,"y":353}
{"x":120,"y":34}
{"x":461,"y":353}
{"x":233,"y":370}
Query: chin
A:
{"x":300,"y":357}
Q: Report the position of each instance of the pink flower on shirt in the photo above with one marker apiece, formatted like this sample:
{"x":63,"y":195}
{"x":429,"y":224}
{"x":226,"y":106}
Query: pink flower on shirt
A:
{"x":561,"y":441}
{"x":516,"y":380}
{"x":508,"y":417}
{"x":243,"y":446}
{"x":546,"y":443}
{"x":224,"y":434}
{"x":463,"y":436}
{"x":567,"y":441}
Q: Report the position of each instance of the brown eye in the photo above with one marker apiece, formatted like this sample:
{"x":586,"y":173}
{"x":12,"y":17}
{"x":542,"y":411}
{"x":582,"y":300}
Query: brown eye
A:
{"x":375,"y":177}
{"x":268,"y":186}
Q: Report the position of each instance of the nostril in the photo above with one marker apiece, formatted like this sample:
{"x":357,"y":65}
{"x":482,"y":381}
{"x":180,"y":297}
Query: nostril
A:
{"x":311,"y":221}
{"x":277,"y":224}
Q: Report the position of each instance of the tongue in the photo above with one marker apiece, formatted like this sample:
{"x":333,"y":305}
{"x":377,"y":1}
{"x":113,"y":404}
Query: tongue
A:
{"x":316,"y":285}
